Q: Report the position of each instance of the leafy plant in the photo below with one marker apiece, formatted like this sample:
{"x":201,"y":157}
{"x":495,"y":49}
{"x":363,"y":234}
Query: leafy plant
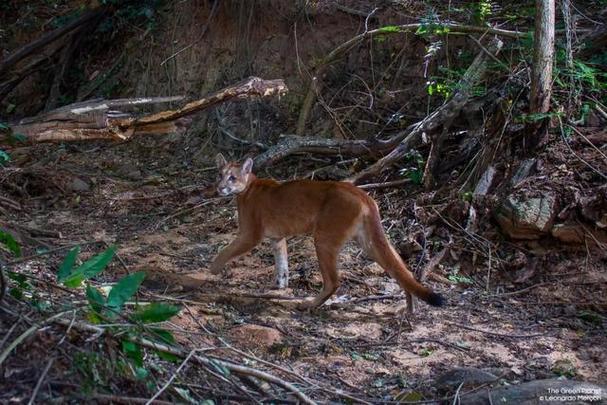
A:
{"x":458,"y":278}
{"x":11,"y":244}
{"x":480,"y":11}
{"x":112,"y":307}
{"x":415,"y":171}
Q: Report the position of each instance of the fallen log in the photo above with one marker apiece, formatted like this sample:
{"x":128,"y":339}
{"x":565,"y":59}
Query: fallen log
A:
{"x":99,"y":119}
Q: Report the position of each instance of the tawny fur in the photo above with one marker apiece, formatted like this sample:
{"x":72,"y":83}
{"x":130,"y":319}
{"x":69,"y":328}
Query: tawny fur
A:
{"x":332,"y":212}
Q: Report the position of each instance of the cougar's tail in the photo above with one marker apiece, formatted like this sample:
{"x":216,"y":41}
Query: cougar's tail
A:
{"x":384,"y":254}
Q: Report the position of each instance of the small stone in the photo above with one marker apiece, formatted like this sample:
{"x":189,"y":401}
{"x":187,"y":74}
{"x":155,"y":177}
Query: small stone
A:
{"x":79,"y":185}
{"x":467,"y":375}
{"x":255,"y":336}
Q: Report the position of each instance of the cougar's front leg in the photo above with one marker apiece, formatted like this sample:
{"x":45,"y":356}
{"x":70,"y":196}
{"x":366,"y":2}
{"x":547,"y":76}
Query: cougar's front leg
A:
{"x":281,"y":263}
{"x":239,"y":246}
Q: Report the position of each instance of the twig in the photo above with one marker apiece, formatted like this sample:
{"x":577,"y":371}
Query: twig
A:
{"x":50,"y":251}
{"x":173,"y":376}
{"x":495,"y":333}
{"x":41,"y":380}
{"x":112,"y":399}
{"x":29,"y":332}
{"x":373,"y":186}
{"x":235,"y":368}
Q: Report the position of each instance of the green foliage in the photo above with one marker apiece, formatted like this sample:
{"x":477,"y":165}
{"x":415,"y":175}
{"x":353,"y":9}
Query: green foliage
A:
{"x":458,"y":278}
{"x":415,"y":169}
{"x":86,"y":270}
{"x":69,"y":261}
{"x":110,"y":308}
{"x":389,"y":29}
{"x":536,"y":117}
{"x":156,"y":312}
{"x":4,"y":158}
{"x":124,"y":290}
{"x":22,"y":285}
{"x":11,"y":244}
{"x":480,"y":11}
{"x":432,"y":28}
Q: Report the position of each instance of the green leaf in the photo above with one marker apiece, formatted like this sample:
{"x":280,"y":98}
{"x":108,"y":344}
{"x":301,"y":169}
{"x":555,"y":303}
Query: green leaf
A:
{"x":65,"y":269}
{"x":141,"y":373}
{"x":90,"y":268}
{"x":168,"y":356}
{"x":3,"y":125}
{"x":133,"y":352}
{"x":156,"y":312}
{"x":163,"y":336}
{"x":124,"y":289}
{"x":95,"y":297}
{"x":19,"y":138}
{"x":16,"y":293}
{"x":7,"y":239}
{"x":416,"y":176}
{"x":4,"y":157}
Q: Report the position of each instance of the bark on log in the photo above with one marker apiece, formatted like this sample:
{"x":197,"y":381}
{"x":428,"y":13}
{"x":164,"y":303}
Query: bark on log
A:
{"x":543,"y":54}
{"x":98,"y":119}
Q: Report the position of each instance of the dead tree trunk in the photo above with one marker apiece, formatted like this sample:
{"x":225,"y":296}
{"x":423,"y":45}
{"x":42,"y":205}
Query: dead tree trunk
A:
{"x":100,"y":120}
{"x":543,"y":55}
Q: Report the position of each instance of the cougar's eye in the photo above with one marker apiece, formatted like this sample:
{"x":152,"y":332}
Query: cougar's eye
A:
{"x":231,"y":178}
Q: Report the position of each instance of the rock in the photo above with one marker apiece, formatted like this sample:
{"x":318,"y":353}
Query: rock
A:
{"x":255,"y":336}
{"x":79,"y":185}
{"x":549,"y":392}
{"x":522,"y":172}
{"x":568,"y":233}
{"x":527,"y":218}
{"x":485,"y":182}
{"x":470,"y":376}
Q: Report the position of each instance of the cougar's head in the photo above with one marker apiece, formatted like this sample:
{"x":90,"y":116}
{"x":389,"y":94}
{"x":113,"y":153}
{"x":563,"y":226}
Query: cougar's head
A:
{"x":232,"y":178}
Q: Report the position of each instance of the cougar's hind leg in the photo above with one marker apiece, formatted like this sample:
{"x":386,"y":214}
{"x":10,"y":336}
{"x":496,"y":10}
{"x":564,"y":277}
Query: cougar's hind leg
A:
{"x":334,"y":229}
{"x":327,"y":261}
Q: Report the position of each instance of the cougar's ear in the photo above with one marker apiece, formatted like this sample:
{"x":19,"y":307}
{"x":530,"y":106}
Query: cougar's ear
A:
{"x":220,"y":161}
{"x":247,"y":166}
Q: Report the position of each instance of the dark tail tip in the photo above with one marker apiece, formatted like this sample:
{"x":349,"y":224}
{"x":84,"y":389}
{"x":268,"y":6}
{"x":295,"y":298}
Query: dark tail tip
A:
{"x":436,"y":300}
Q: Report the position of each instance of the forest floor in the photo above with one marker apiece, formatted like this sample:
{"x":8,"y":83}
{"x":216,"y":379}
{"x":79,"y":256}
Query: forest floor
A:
{"x":361,"y":341}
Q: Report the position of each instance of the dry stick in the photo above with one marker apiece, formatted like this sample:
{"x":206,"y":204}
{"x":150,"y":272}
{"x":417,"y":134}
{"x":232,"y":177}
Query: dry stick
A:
{"x":494,"y":333}
{"x":597,"y":171}
{"x":82,"y":121}
{"x":374,"y":186}
{"x":50,"y":251}
{"x":125,"y":400}
{"x":235,"y":368}
{"x":173,"y":376}
{"x":41,"y":380}
{"x":29,"y":332}
{"x":276,"y":366}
